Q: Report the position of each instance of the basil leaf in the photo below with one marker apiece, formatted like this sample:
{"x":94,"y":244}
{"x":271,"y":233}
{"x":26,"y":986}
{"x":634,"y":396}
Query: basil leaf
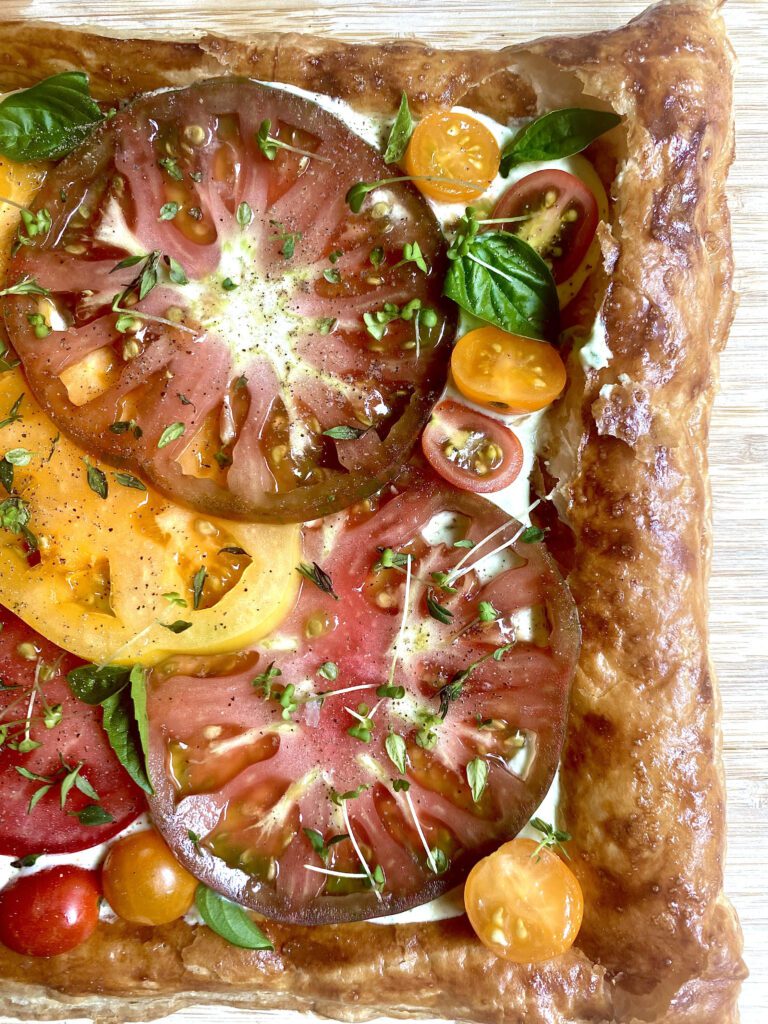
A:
{"x":6,"y":475}
{"x":502,"y":280}
{"x":179,"y":626}
{"x":343,"y":433}
{"x":558,"y":134}
{"x":138,"y":680}
{"x":124,"y":737}
{"x":97,"y":480}
{"x":477,"y":777}
{"x":401,"y":132}
{"x":396,"y":751}
{"x":92,"y":814}
{"x":129,"y":480}
{"x":229,"y":920}
{"x":48,"y":120}
{"x":93,"y":684}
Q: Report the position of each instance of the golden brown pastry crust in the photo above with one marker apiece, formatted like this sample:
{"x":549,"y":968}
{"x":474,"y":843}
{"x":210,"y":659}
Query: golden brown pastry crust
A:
{"x":642,"y":785}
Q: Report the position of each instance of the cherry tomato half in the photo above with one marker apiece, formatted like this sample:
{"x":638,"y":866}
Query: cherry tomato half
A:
{"x":507,"y":371}
{"x":525,"y":906}
{"x":143,"y":881}
{"x":562,"y":217}
{"x":456,"y":146}
{"x":470,"y":450}
{"x":49,"y":912}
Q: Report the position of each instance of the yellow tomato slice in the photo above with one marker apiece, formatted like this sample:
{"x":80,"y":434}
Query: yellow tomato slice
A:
{"x":108,"y":569}
{"x":453,"y":146}
{"x":525,"y":906}
{"x":18,"y":182}
{"x":506,"y":371}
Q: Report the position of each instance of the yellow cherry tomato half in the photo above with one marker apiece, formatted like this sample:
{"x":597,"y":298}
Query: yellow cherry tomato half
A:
{"x":144,"y":883}
{"x":456,"y":147}
{"x":506,"y":371}
{"x":525,"y":906}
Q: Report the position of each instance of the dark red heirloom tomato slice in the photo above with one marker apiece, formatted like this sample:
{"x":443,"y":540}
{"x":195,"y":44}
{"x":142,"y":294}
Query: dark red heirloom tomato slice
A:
{"x":46,"y":734}
{"x":49,"y":912}
{"x":562,"y":217}
{"x":390,"y":733}
{"x":257,"y":312}
{"x":470,"y":450}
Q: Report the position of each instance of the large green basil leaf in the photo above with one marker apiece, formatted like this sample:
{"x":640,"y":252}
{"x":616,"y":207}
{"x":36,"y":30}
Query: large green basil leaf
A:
{"x":92,"y":684}
{"x":48,"y":120}
{"x":502,"y":280}
{"x":229,"y":920}
{"x":555,"y":135}
{"x":125,"y":732}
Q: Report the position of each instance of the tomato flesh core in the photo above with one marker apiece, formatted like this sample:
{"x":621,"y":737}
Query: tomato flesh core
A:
{"x":561,"y":216}
{"x":284,"y":773}
{"x":470,"y":450}
{"x":268,"y":312}
{"x":47,"y":735}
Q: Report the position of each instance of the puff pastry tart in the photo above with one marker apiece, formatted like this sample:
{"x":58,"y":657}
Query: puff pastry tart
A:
{"x":354,"y":526}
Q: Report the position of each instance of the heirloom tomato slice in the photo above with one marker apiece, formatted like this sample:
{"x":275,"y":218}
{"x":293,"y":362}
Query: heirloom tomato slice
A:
{"x":113,"y":571}
{"x":209,"y":283}
{"x":48,"y":737}
{"x":405,"y":718}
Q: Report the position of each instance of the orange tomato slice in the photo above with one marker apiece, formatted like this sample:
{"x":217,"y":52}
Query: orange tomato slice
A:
{"x":456,"y":147}
{"x":506,"y":371}
{"x":525,"y":906}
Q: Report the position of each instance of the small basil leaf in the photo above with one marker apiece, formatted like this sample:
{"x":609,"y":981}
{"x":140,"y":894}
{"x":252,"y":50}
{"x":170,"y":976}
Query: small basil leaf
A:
{"x":48,"y":120}
{"x":123,"y":733}
{"x":229,"y":920}
{"x":558,"y":134}
{"x":401,"y":133}
{"x":502,"y":280}
{"x":477,"y":777}
{"x":396,"y":751}
{"x":343,"y":433}
{"x":92,"y":814}
{"x":93,"y":684}
{"x":179,"y":626}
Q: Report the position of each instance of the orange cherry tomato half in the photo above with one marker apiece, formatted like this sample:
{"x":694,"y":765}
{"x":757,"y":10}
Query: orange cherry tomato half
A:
{"x":562,"y":216}
{"x":49,"y":912}
{"x":506,"y":371}
{"x":143,"y":881}
{"x":457,"y":147}
{"x":524,"y":906}
{"x":470,"y":450}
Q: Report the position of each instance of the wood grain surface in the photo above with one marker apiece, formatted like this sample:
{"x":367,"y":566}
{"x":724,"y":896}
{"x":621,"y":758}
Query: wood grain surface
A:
{"x":739,"y":439}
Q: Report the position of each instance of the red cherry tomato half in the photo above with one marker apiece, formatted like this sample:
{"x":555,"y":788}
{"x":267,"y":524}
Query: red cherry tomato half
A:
{"x":561,"y":214}
{"x":49,"y":912}
{"x":470,"y":450}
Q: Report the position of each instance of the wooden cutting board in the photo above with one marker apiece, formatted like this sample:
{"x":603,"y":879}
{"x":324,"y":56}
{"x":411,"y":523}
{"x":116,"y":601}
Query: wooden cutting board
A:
{"x":739,"y":439}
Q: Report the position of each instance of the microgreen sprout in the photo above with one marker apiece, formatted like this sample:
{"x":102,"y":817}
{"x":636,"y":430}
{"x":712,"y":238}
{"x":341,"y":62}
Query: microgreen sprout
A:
{"x":269,"y":145}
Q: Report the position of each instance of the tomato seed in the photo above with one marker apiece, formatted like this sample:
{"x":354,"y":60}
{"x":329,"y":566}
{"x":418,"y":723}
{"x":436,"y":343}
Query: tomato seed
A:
{"x":195,"y":134}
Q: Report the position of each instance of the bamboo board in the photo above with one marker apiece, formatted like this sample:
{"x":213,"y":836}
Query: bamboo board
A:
{"x":739,"y":438}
